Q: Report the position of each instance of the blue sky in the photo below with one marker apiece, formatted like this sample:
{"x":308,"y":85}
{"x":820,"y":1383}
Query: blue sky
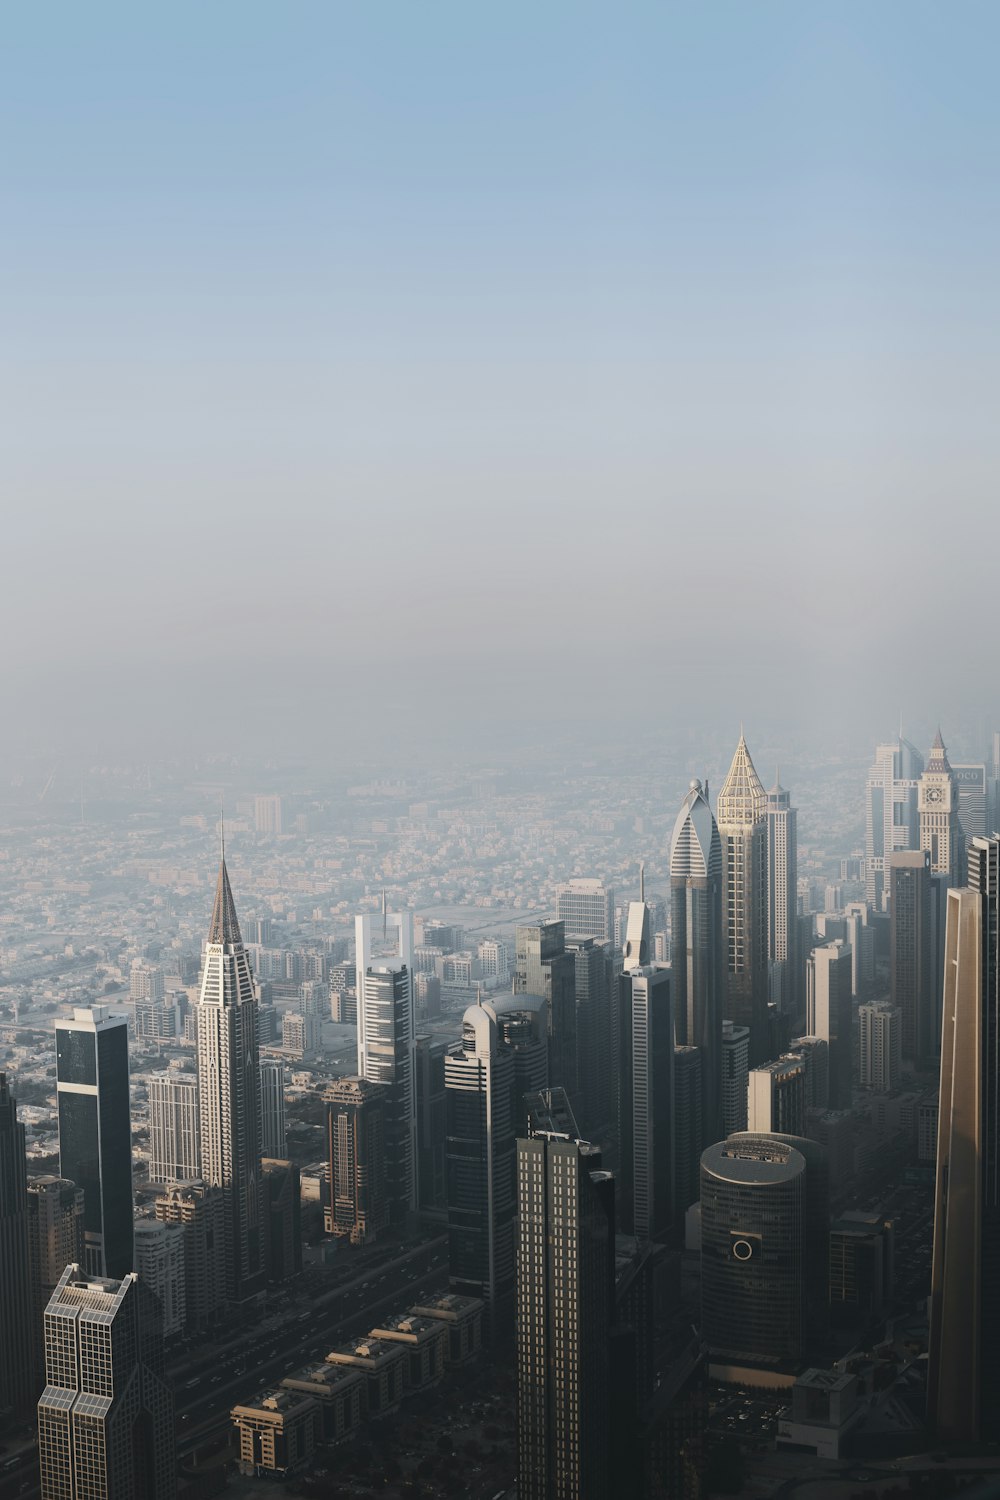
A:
{"x":507,"y":307}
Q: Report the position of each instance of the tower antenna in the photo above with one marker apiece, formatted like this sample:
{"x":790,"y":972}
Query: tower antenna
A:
{"x":642,"y":881}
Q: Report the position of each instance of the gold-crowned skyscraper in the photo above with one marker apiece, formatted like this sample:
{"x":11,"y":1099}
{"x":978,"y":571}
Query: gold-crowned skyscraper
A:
{"x":741,"y":816}
{"x":963,"y":1384}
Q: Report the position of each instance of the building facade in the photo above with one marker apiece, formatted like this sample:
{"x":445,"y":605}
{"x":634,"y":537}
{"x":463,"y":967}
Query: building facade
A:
{"x":892,"y":821}
{"x":174,"y":1127}
{"x":359,"y":1198}
{"x":829,"y":1014}
{"x":698,"y":957}
{"x":741,"y":815}
{"x":784,"y":980}
{"x":17,"y":1352}
{"x":386,"y":1044}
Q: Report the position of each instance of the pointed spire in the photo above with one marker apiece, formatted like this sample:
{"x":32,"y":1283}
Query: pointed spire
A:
{"x":225,"y":926}
{"x":642,"y":882}
{"x":742,"y":798}
{"x":938,"y":759}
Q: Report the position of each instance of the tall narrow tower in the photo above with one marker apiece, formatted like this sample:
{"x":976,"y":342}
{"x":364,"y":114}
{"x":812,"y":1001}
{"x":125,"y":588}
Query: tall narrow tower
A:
{"x":891,"y":817}
{"x":698,"y":955}
{"x":387,"y":1046}
{"x":784,"y":980}
{"x":963,"y":1375}
{"x":229,"y":1093}
{"x":16,"y":1348}
{"x":940,"y":827}
{"x":743,"y":831}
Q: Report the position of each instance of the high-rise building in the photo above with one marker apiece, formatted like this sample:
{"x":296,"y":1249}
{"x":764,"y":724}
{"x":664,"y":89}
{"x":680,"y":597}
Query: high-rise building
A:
{"x":698,"y":946}
{"x":429,"y":1060}
{"x":753,"y":1251}
{"x":784,"y":980}
{"x":494,"y":959}
{"x":95,"y":1131}
{"x":963,"y":1384}
{"x":282,"y":1214}
{"x":735,"y":1076}
{"x":199,"y":1210}
{"x":479,"y":1165}
{"x":741,"y":815}
{"x":543,"y":967}
{"x":359,"y":1200}
{"x":159,"y":1263}
{"x":860,"y":934}
{"x":386,"y":1044}
{"x":106,"y":1417}
{"x":586,"y":908}
{"x":815,"y":1054}
{"x":891,"y":816}
{"x":911,"y":951}
{"x":776,"y":1097}
{"x":687,"y":1128}
{"x":647,"y":1146}
{"x":55,"y":1240}
{"x":229,"y":1093}
{"x":272,"y":1108}
{"x":565,"y":1264}
{"x":523,"y":1024}
{"x":174,"y":1129}
{"x":268,"y":814}
{"x":941,"y":834}
{"x":145,"y":982}
{"x":973,"y":799}
{"x":17,"y":1354}
{"x":880,"y":1047}
{"x":829,"y":1013}
{"x":593,"y":987}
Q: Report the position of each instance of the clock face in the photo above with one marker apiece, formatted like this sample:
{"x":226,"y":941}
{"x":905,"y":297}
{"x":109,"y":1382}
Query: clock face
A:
{"x":935,"y":794}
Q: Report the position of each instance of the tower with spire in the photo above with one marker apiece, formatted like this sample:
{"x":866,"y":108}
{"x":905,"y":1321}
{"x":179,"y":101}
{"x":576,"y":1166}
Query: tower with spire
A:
{"x":741,"y":815}
{"x":940,"y":827}
{"x":697,"y":948}
{"x":229,"y":1092}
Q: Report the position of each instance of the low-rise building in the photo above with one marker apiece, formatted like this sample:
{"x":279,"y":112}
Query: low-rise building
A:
{"x":278,"y":1432}
{"x":824,"y":1409}
{"x":341,"y":1393}
{"x":425,"y":1341}
{"x":384,"y":1368}
{"x":463,"y":1318}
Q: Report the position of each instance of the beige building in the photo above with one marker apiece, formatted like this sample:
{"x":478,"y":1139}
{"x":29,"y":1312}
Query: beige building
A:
{"x":339,"y":1391}
{"x":384,"y":1368}
{"x":278,"y":1432}
{"x":463,"y":1318}
{"x":424,"y":1340}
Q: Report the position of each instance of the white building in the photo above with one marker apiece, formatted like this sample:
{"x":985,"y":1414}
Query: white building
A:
{"x":881,"y":1046}
{"x":159,"y":1261}
{"x":386,"y":1041}
{"x":174,"y":1129}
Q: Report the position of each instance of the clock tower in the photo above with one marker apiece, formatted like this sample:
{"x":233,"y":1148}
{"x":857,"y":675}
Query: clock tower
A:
{"x":937,"y":803}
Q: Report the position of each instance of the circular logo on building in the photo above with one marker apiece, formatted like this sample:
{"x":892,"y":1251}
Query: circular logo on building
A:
{"x":742,"y":1249}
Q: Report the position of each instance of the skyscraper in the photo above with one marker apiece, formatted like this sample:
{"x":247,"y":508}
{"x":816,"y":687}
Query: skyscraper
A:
{"x":199,"y":1211}
{"x":593,"y":989}
{"x":229,"y":1093}
{"x":565,"y":1270}
{"x":784,"y":981}
{"x":829,"y":1013}
{"x":359,"y":1199}
{"x":16,"y":1346}
{"x":698,"y":954}
{"x":941,"y":833}
{"x":479,"y":1165}
{"x":543,"y":967}
{"x":386,"y":1044}
{"x":963,"y":1378}
{"x":174,"y":1129}
{"x":880,"y":1047}
{"x":647,"y":1146}
{"x":776,"y":1097}
{"x":55,"y":1240}
{"x":891,"y":816}
{"x":587,"y":909}
{"x":429,"y":1057}
{"x":687,"y":1127}
{"x":272,"y":1107}
{"x":735,"y":1076}
{"x":95,"y":1131}
{"x":105,"y":1418}
{"x":911,"y":951}
{"x":743,"y":832}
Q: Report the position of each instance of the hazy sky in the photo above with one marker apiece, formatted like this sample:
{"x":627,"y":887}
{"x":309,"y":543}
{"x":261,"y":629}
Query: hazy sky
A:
{"x":515,"y":351}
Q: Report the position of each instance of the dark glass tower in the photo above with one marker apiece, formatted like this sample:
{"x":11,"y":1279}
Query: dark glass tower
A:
{"x":16,"y":1349}
{"x":565,"y":1272}
{"x":95,"y":1132}
{"x":697,"y":950}
{"x":543,"y":967}
{"x":911,"y":950}
{"x":963,"y":1378}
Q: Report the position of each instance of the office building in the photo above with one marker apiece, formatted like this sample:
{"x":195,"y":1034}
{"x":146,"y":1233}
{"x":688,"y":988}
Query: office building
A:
{"x":892,"y":820}
{"x":753,"y":1248}
{"x":174,"y":1128}
{"x":815,"y":1055}
{"x":479,"y":1165}
{"x":735,"y":1076}
{"x":229,"y":1093}
{"x":776,"y":1097}
{"x":963,"y":1380}
{"x":593,"y":987}
{"x":106,"y":1415}
{"x":912,"y":940}
{"x":272,"y":1108}
{"x":17,"y":1352}
{"x":523,"y":1024}
{"x":829,"y":1013}
{"x":95,"y":1132}
{"x":941,"y":835}
{"x":861,"y":1269}
{"x":741,"y":815}
{"x":159,"y":1263}
{"x":278,"y":1432}
{"x":494,"y":960}
{"x":359,"y":1199}
{"x":55,"y":1240}
{"x":880,"y":1047}
{"x":784,"y":979}
{"x":647,"y":1144}
{"x":543,"y":967}
{"x":565,"y":1260}
{"x":199,"y":1211}
{"x":282,"y":1217}
{"x":859,"y":934}
{"x":699,"y":953}
{"x":586,"y":908}
{"x":972,"y":784}
{"x":386,"y":1043}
